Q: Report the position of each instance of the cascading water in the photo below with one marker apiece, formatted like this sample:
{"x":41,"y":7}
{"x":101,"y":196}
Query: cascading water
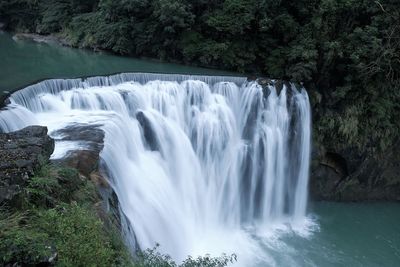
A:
{"x":200,"y":164}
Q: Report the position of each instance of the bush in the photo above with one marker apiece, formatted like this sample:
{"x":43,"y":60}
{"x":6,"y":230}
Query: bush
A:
{"x":54,"y":184}
{"x":58,"y":215}
{"x":20,"y":242}
{"x":78,"y":236}
{"x":153,"y":258}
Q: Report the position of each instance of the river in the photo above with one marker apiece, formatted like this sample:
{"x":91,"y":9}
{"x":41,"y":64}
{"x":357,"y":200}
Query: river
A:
{"x":337,"y":234}
{"x":24,"y":62}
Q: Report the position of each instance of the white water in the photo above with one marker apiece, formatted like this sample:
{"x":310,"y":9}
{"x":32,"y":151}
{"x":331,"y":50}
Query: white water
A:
{"x":199,"y":164}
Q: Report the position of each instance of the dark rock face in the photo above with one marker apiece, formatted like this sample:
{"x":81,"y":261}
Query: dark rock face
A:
{"x":21,"y":154}
{"x":148,"y":132}
{"x":348,"y":176}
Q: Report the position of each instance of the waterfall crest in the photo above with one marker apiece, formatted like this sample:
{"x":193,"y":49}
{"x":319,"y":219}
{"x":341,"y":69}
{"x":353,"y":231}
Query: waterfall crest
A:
{"x":196,"y":161}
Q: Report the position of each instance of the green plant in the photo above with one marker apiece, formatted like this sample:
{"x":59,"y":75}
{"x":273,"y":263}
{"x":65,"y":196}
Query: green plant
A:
{"x":20,"y":242}
{"x":77,"y":234}
{"x":153,"y":258}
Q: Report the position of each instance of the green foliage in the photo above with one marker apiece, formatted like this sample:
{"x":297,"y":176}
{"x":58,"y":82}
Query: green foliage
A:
{"x":58,"y":216}
{"x":56,"y":15}
{"x":73,"y":231}
{"x":78,"y":236}
{"x":53,"y":184}
{"x":153,"y":258}
{"x":20,"y":14}
{"x":235,"y":17}
{"x":19,"y":241}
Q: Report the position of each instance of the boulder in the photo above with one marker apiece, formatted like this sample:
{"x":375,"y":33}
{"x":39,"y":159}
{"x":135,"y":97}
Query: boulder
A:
{"x":22,"y":153}
{"x":85,"y":160}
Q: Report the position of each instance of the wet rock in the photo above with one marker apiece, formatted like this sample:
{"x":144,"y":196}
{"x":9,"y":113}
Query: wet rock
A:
{"x":22,"y":153}
{"x":149,"y":135}
{"x":84,"y":160}
{"x":99,"y":180}
{"x":92,"y":135}
{"x":39,"y":38}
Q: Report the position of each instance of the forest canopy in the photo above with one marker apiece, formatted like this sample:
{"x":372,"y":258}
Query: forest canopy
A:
{"x":346,"y":52}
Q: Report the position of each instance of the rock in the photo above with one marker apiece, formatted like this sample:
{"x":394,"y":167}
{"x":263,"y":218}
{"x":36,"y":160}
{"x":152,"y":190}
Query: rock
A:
{"x":56,"y":39}
{"x":22,"y":153}
{"x":344,"y":175}
{"x":87,"y":162}
{"x":82,"y":132}
{"x":48,"y":39}
{"x":148,"y":132}
{"x":84,"y":160}
{"x":98,"y":179}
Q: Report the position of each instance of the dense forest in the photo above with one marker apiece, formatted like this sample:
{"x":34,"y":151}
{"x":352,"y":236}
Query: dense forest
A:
{"x":346,"y":52}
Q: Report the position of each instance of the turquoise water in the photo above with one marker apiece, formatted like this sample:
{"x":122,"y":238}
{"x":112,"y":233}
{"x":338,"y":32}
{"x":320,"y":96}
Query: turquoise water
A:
{"x":24,"y":62}
{"x":343,"y":234}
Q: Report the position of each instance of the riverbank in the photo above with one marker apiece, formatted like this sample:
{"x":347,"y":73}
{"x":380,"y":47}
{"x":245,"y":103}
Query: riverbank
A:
{"x":48,"y":39}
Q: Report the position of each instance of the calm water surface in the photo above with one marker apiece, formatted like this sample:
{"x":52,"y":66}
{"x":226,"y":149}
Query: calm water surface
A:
{"x":23,"y":62}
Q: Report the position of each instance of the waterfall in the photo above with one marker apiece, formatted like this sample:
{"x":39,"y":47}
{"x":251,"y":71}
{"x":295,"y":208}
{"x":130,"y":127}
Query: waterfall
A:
{"x":200,"y":164}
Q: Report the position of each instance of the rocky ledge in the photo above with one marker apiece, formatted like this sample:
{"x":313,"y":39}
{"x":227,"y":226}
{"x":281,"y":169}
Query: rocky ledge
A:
{"x":21,"y":154}
{"x":24,"y":152}
{"x":48,"y":39}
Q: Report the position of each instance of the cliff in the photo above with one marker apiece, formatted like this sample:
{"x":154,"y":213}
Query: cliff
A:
{"x":51,"y":214}
{"x":347,"y":175}
{"x":22,"y":154}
